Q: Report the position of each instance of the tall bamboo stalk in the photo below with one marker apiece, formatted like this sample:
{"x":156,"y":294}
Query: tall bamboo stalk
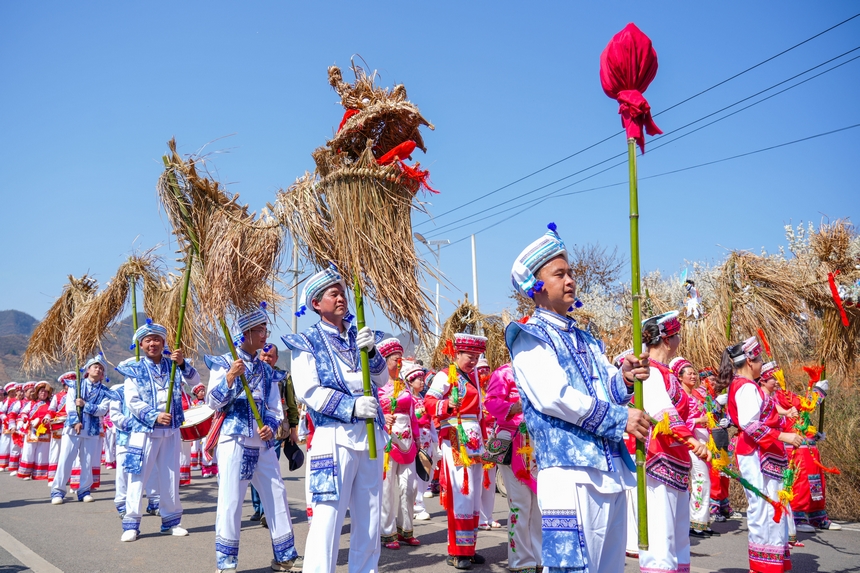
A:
{"x":80,"y":409}
{"x":365,"y":368}
{"x":637,"y":340}
{"x":132,"y":285}
{"x":247,"y":388}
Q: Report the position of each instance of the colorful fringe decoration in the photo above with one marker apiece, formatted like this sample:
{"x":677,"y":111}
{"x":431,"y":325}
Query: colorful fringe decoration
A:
{"x":663,"y":427}
{"x":777,"y":508}
{"x":486,"y":480}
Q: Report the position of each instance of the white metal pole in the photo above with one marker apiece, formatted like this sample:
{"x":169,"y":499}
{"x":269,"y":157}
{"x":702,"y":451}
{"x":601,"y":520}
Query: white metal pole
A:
{"x":438,"y":266}
{"x":474,"y":272}
{"x":295,"y":287}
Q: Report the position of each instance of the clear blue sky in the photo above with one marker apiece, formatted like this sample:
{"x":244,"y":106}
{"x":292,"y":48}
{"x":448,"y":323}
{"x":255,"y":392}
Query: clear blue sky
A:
{"x":92,"y":91}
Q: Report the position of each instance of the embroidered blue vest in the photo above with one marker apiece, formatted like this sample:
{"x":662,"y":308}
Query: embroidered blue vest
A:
{"x":597,"y":437}
{"x":147,"y":389}
{"x":238,"y":416}
{"x":327,"y":349}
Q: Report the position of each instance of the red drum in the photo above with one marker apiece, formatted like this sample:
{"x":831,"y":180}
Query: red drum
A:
{"x":198,"y":421}
{"x":58,"y":423}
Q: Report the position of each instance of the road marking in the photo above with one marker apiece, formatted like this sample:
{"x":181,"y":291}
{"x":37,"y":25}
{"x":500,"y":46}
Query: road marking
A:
{"x":25,"y":555}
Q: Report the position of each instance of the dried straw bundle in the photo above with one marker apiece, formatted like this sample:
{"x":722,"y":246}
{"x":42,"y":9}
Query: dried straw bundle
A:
{"x":467,"y":318}
{"x":385,"y":116}
{"x":95,"y":318}
{"x":356,"y":213}
{"x":49,"y":344}
{"x":235,"y":252}
{"x":161,"y":302}
{"x":762,"y":293}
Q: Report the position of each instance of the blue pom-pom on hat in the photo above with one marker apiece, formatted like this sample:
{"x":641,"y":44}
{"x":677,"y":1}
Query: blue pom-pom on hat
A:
{"x":552,"y":227}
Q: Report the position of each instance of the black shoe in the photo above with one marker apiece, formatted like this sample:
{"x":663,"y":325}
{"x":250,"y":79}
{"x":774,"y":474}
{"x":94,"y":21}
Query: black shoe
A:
{"x":263,"y":521}
{"x":477,"y":559}
{"x":463,"y":563}
{"x":697,"y":533}
{"x":710,"y":531}
{"x":255,"y":516}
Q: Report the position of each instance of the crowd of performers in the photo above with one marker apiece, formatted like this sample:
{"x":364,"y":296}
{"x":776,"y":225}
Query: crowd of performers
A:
{"x":555,"y":422}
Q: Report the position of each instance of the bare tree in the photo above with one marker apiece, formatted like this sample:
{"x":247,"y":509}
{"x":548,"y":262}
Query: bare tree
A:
{"x":595,"y":267}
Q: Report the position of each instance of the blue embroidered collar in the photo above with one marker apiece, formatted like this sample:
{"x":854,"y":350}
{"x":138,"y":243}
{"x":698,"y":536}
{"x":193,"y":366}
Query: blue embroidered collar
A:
{"x":343,"y":344}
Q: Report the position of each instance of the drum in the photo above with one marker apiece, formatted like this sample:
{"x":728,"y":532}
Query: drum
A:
{"x":58,"y":423}
{"x":198,"y":421}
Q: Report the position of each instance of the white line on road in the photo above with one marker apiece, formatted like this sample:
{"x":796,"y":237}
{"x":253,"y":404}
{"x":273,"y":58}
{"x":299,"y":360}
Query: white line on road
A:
{"x":25,"y":555}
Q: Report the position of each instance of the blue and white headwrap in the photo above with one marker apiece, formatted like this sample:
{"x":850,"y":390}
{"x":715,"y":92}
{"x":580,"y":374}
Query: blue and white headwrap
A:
{"x":250,"y":319}
{"x":148,"y":329}
{"x":97,"y":359}
{"x":533,"y":257}
{"x":317,"y":284}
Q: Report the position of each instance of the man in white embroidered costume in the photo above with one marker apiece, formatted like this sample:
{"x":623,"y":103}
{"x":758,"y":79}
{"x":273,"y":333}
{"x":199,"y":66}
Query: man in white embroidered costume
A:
{"x":154,"y":441}
{"x":575,"y":407}
{"x":81,"y":435}
{"x":455,"y":399}
{"x":246,"y":452}
{"x":327,"y":378}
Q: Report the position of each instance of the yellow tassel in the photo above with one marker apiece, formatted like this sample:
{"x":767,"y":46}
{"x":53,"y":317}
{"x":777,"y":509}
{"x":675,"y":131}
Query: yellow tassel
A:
{"x":811,"y":430}
{"x":464,"y":456}
{"x":489,"y":465}
{"x":712,"y":422}
{"x":452,"y":374}
{"x":720,"y":460}
{"x":525,"y":450}
{"x":41,"y":430}
{"x":386,"y":463}
{"x":785,"y":497}
{"x":807,"y":404}
{"x":780,"y":377}
{"x":663,"y":427}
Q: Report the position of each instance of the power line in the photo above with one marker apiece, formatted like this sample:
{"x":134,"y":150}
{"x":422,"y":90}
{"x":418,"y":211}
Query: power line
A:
{"x":673,"y":106}
{"x":656,"y":139}
{"x":539,"y":200}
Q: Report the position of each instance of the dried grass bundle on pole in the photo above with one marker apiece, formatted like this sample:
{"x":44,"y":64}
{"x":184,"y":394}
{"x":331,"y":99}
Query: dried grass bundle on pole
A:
{"x":230,"y":254}
{"x":50,"y":344}
{"x":95,"y":318}
{"x":467,"y":318}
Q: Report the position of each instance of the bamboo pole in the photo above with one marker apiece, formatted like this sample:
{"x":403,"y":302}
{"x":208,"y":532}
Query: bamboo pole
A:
{"x":132,"y":285}
{"x":80,"y":409}
{"x":365,"y":368}
{"x":248,"y":393}
{"x":637,"y":340}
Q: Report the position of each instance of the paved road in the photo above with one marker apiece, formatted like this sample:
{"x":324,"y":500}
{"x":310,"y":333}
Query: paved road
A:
{"x":84,"y":538}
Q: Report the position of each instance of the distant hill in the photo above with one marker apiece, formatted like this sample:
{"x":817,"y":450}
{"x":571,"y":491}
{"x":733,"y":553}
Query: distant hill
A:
{"x":16,"y":328}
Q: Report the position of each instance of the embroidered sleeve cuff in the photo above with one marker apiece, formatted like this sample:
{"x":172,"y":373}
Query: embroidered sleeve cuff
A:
{"x":90,"y":408}
{"x":188,"y":371}
{"x":605,"y":419}
{"x":272,"y":422}
{"x":377,"y":363}
{"x":221,"y":395}
{"x":760,"y":432}
{"x":339,"y":405}
{"x":622,"y":393}
{"x":148,"y":415}
{"x":508,"y":415}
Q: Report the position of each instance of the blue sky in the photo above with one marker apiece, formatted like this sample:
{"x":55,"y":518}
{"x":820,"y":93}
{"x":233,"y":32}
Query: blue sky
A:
{"x":92,"y":91}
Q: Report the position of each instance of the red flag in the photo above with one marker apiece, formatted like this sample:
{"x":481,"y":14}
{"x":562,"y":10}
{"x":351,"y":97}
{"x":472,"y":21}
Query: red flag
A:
{"x":627,"y":67}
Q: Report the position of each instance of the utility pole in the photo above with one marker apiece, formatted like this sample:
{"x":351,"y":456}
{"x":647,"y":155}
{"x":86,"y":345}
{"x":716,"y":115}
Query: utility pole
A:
{"x":295,"y":271}
{"x":474,"y":272}
{"x":438,"y":254}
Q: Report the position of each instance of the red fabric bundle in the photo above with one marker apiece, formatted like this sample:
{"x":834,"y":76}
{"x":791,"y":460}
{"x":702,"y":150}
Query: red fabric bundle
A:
{"x":628,"y":65}
{"x":836,"y":298}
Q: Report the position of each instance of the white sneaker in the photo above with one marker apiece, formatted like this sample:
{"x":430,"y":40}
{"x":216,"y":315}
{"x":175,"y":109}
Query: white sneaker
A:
{"x":130,"y":535}
{"x":13,"y":472}
{"x":423,"y":516}
{"x":178,"y":531}
{"x":27,"y":478}
{"x":88,"y":499}
{"x":833,"y":526}
{"x":805,"y":528}
{"x":428,"y":493}
{"x":56,"y":501}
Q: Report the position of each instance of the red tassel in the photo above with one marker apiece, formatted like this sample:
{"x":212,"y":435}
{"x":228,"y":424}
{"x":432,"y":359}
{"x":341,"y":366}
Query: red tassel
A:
{"x":777,"y":512}
{"x":836,"y":298}
{"x":486,"y":482}
{"x":465,"y":489}
{"x":402,"y":151}
{"x":523,"y":475}
{"x":763,"y":339}
{"x":416,"y":174}
{"x":346,"y":115}
{"x":814,"y":373}
{"x":833,"y":470}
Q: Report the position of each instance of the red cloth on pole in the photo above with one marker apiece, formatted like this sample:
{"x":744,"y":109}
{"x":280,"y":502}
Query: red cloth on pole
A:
{"x":628,"y":65}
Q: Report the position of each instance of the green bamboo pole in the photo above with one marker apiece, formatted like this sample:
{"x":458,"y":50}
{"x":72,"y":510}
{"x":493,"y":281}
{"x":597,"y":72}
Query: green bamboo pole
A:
{"x":637,"y":341}
{"x":78,"y":387}
{"x":247,"y":388}
{"x":365,"y":367}
{"x":132,"y":285}
{"x":729,"y":321}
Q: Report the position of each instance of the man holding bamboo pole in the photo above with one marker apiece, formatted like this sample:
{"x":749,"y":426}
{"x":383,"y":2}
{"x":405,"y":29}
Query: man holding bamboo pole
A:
{"x":81,"y":431}
{"x":154,"y":442}
{"x":327,"y":377}
{"x":575,"y":407}
{"x":246,"y":452}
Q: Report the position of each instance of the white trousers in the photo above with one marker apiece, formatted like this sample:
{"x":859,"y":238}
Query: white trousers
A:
{"x":700,"y":488}
{"x":110,"y":445}
{"x":488,"y":496}
{"x":54,"y":458}
{"x":632,"y":522}
{"x":5,"y":449}
{"x":161,"y":458}
{"x":398,"y":493}
{"x":240,"y":466}
{"x":86,"y":450}
{"x":524,"y":523}
{"x":668,"y":530}
{"x":28,"y":459}
{"x":768,"y":541}
{"x":121,"y":483}
{"x":359,"y":481}
{"x":577,"y":517}
{"x":185,"y":463}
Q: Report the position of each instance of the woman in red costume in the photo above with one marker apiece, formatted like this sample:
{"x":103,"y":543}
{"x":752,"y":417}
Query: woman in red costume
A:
{"x":760,"y":454}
